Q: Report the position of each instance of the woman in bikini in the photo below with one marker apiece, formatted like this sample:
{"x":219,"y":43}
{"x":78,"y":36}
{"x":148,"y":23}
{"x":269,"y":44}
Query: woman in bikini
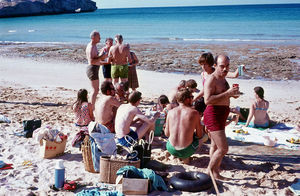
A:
{"x":258,"y":110}
{"x":83,"y":109}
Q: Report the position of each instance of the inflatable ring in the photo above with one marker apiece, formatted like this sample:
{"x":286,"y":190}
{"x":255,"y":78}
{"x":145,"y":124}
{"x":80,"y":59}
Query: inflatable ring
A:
{"x":191,"y":181}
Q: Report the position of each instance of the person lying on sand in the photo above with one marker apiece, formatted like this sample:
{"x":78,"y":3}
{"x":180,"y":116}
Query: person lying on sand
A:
{"x":208,"y":63}
{"x":217,"y":94}
{"x":183,"y":127}
{"x":132,"y":122}
{"x":106,"y":106}
{"x":258,"y":110}
{"x":83,"y":109}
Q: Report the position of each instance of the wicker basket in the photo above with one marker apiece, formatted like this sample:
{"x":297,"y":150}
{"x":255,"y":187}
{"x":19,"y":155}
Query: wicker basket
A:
{"x":87,"y":155}
{"x":109,"y":168}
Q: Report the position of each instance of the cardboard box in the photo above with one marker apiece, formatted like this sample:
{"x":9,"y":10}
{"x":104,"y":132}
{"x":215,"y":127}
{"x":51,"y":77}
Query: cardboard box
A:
{"x":134,"y":186}
{"x":50,"y":149}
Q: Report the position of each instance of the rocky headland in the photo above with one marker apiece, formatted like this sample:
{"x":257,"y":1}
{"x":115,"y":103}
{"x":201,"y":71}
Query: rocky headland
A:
{"x":10,"y":8}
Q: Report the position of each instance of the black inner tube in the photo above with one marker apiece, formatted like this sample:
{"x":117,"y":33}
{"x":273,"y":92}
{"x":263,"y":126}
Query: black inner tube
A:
{"x":191,"y":181}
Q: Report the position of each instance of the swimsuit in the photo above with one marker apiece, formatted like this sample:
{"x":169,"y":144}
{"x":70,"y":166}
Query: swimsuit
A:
{"x":257,"y":108}
{"x":119,"y":71}
{"x":132,"y":139}
{"x":106,"y":69}
{"x":110,"y":125}
{"x":215,"y":117}
{"x":266,"y":125}
{"x":92,"y":72}
{"x":186,"y":152}
{"x":83,"y":115}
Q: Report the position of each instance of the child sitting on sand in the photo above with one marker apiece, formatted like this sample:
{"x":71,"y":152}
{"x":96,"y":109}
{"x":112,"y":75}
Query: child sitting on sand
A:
{"x":162,"y":104}
{"x":83,"y":109}
{"x":258,"y":110}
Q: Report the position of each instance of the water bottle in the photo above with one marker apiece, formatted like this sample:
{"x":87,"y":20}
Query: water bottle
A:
{"x":241,"y":70}
{"x":59,"y":174}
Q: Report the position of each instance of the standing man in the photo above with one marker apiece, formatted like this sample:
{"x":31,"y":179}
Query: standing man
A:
{"x":94,"y":61}
{"x":183,"y":127}
{"x":119,"y":57}
{"x":106,"y":68}
{"x":106,"y":107}
{"x":217,"y":94}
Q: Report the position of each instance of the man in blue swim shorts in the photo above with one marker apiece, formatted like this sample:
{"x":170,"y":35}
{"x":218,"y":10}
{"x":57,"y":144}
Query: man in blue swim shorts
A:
{"x":131,"y":124}
{"x":183,"y":127}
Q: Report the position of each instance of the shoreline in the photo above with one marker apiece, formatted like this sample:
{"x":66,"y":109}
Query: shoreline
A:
{"x":45,"y":88}
{"x":263,"y":61}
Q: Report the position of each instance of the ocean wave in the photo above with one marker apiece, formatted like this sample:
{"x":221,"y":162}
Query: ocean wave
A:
{"x":12,"y":31}
{"x":235,"y":40}
{"x":31,"y":30}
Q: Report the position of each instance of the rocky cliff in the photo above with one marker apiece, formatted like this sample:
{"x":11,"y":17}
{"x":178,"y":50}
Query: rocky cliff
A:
{"x":13,"y":8}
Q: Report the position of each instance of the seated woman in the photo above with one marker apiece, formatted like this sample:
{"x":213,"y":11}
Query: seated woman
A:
{"x":83,"y":109}
{"x":258,"y":110}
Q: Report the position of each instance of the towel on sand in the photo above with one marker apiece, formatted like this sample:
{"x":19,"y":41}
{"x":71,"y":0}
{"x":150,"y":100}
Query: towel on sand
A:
{"x":282,"y":132}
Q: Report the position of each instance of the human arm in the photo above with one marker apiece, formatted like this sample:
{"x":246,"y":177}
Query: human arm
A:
{"x":91,"y":114}
{"x":238,"y":71}
{"x":199,"y":128}
{"x":233,"y":74}
{"x":166,"y":130}
{"x":251,"y":114}
{"x":134,"y":59}
{"x":199,"y":95}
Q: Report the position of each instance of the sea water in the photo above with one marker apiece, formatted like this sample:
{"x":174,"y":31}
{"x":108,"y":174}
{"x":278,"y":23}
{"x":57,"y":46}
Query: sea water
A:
{"x":239,"y":23}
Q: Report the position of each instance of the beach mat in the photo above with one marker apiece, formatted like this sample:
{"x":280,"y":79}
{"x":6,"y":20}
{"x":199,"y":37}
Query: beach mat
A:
{"x":283,"y":134}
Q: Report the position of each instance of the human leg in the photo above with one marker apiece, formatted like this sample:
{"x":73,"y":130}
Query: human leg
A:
{"x":95,"y":90}
{"x":220,"y":141}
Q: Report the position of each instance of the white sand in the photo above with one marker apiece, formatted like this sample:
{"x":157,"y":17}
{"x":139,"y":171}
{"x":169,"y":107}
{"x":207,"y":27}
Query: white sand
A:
{"x":284,"y":100}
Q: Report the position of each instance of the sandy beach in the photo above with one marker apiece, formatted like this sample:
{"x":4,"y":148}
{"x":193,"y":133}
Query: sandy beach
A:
{"x":41,"y":81}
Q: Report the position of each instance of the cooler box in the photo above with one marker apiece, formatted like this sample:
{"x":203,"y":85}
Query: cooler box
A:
{"x":159,"y":126}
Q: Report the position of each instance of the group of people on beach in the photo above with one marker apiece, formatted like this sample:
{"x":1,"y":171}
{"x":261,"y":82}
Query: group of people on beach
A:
{"x":189,"y":113}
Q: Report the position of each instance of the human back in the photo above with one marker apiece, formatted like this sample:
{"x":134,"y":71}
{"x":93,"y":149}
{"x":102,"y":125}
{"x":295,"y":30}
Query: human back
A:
{"x":124,"y":117}
{"x":260,"y":112}
{"x":183,"y":125}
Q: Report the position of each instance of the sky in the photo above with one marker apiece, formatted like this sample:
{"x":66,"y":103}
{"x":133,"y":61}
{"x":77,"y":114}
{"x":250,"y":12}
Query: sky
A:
{"x":101,"y":4}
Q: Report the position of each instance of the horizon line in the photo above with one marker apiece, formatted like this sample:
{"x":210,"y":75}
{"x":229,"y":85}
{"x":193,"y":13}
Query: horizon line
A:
{"x":203,"y":5}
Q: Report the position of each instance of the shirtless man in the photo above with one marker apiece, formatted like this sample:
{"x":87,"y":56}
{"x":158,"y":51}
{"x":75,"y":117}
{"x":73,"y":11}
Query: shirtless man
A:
{"x":217,"y":94}
{"x":183,"y":127}
{"x":106,"y":106}
{"x":106,"y":68}
{"x":131,"y":121}
{"x":119,"y":57}
{"x":94,"y":61}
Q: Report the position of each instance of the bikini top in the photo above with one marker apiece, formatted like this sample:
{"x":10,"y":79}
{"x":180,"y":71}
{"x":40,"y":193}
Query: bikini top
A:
{"x":257,"y":108}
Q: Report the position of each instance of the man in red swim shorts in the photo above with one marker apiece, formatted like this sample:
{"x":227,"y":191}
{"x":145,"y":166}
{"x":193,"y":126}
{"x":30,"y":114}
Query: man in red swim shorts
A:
{"x":217,"y":96}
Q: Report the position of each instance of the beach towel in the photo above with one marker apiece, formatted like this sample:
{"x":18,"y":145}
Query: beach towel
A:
{"x":295,"y":188}
{"x":104,"y":139}
{"x":4,"y":119}
{"x":98,"y":192}
{"x":281,"y":132}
